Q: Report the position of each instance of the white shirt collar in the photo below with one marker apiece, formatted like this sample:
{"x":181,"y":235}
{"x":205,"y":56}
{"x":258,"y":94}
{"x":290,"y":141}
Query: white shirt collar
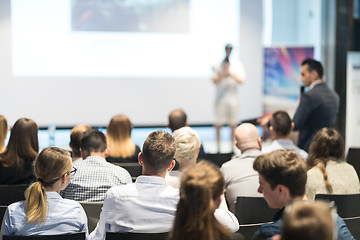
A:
{"x":313,"y":84}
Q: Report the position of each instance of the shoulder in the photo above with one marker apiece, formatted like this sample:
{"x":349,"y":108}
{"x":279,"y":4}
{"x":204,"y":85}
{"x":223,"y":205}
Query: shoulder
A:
{"x":268,"y":230}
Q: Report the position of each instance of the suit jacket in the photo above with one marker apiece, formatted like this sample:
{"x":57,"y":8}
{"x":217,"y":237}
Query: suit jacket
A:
{"x":318,"y":108}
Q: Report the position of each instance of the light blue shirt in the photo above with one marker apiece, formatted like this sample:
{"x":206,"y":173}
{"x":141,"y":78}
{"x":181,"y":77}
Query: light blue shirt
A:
{"x":63,"y":216}
{"x":285,"y":144}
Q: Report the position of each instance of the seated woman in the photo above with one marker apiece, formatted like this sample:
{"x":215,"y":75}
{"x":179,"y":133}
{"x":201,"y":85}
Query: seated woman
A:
{"x":328,"y":172}
{"x":121,"y":148}
{"x":44,"y":212}
{"x":3,"y":132}
{"x":16,"y":163}
{"x":201,"y":191}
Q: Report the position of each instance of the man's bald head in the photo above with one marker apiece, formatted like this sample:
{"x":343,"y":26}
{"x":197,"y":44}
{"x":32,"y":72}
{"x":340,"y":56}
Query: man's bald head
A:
{"x":177,"y":119}
{"x":247,"y":136}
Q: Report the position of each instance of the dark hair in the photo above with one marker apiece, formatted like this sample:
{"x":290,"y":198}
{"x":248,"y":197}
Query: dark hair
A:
{"x":177,"y":119}
{"x":76,"y":135}
{"x":283,"y":167}
{"x":326,"y":143}
{"x":201,"y":186}
{"x":158,"y":151}
{"x":3,"y":132}
{"x":281,"y":123}
{"x":93,"y":141}
{"x":23,"y":144}
{"x":314,"y":65}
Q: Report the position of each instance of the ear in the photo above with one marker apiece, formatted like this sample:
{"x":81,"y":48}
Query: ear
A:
{"x":271,"y":128}
{"x":106,"y":152}
{"x":259,"y":142}
{"x":63,"y":178}
{"x":82,"y":154}
{"x":276,"y":237}
{"x":292,"y":126}
{"x":172,"y":165}
{"x":187,"y":124}
{"x":218,"y":201}
{"x":140,"y":159}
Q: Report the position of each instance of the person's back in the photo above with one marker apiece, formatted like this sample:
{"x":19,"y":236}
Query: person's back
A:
{"x":44,"y":212}
{"x":149,"y":204}
{"x":16,"y":162}
{"x":94,"y":174}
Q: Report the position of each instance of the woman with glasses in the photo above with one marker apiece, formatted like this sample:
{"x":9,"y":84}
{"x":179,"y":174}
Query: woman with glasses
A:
{"x":44,"y":211}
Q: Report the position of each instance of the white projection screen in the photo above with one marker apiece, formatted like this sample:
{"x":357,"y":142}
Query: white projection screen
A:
{"x":82,"y":61}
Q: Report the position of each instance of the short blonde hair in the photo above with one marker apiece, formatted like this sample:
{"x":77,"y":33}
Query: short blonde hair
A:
{"x":187,"y":144}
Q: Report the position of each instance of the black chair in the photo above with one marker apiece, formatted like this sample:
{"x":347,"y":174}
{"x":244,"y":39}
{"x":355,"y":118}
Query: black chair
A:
{"x":218,"y":158}
{"x":353,"y":158}
{"x":12,"y":193}
{"x":348,"y":207}
{"x":92,"y":210}
{"x":137,"y":236}
{"x":252,"y":212}
{"x":70,"y":236}
{"x":2,"y":212}
{"x":135,"y":169}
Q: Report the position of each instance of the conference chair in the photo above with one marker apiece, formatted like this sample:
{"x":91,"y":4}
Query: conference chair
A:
{"x":353,"y":158}
{"x":12,"y":193}
{"x":137,"y":236}
{"x":2,"y":212}
{"x":135,"y":169}
{"x":218,"y":158}
{"x":69,"y":236}
{"x":348,"y":207}
{"x":252,"y":212}
{"x":92,"y":210}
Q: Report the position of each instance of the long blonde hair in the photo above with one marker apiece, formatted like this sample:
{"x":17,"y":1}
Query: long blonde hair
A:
{"x":3,"y":132}
{"x":118,"y":137}
{"x":49,"y":166}
{"x":201,"y":187}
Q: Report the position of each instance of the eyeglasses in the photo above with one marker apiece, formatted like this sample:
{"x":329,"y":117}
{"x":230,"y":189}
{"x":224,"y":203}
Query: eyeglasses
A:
{"x":72,"y":172}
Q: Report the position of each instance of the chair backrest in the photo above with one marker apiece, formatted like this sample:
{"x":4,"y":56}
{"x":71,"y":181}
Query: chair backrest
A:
{"x":69,"y":236}
{"x":2,"y":212}
{"x":14,"y":193}
{"x":251,"y":213}
{"x":348,"y":207}
{"x":135,"y":169}
{"x":353,"y":158}
{"x":137,"y":236}
{"x":218,"y":158}
{"x":92,"y":210}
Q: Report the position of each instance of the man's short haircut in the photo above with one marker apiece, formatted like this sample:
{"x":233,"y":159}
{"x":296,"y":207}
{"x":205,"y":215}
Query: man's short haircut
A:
{"x":177,"y":119}
{"x":308,"y":220}
{"x":314,"y":65}
{"x":158,"y":151}
{"x":281,"y":123}
{"x":283,"y":167}
{"x":76,"y":135}
{"x":93,"y":141}
{"x":187,"y":144}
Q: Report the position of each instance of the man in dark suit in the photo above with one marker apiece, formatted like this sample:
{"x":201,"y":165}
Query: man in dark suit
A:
{"x":318,"y":106}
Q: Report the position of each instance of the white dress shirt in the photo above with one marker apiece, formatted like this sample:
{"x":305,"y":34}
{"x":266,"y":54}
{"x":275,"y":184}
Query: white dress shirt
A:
{"x":63,"y":216}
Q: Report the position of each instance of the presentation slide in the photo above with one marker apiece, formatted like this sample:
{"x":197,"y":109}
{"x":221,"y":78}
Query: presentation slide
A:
{"x":121,"y":38}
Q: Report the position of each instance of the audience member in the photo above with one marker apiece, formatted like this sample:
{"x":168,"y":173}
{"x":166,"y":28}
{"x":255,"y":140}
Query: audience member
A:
{"x":240,"y":177}
{"x":149,"y":204}
{"x":3,"y":132}
{"x":318,"y":106}
{"x":121,"y":148}
{"x":23,"y":147}
{"x":44,"y":212}
{"x":282,"y":180}
{"x":76,"y":135}
{"x":280,"y":128}
{"x":200,"y":195}
{"x":329,"y":173}
{"x":177,"y":120}
{"x":94,"y":175}
{"x":307,"y":220}
{"x":187,"y":148}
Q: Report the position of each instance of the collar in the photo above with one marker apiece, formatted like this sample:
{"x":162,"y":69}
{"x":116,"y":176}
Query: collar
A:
{"x":278,"y":215}
{"x":313,"y":84}
{"x":150,"y":180}
{"x":94,"y":158}
{"x":52,"y":195}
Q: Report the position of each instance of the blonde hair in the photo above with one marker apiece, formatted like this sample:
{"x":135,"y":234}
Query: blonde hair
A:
{"x":187,"y":144}
{"x":200,"y":188}
{"x":3,"y":132}
{"x":118,"y":137}
{"x":49,"y":166}
{"x":308,"y":220}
